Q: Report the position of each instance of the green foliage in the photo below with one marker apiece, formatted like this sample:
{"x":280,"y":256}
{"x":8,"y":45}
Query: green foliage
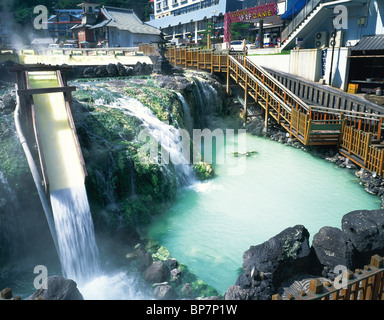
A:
{"x":240,"y":31}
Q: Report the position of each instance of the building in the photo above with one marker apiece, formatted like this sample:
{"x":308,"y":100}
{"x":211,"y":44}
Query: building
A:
{"x":112,"y":27}
{"x":61,"y":23}
{"x":186,"y":20}
{"x":347,"y":35}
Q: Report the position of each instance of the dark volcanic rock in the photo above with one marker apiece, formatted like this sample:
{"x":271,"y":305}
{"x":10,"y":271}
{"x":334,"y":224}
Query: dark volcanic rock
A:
{"x":157,"y":272}
{"x":365,"y":229}
{"x":121,"y":69}
{"x":89,"y":72}
{"x":58,"y":288}
{"x":268,"y":264}
{"x":332,"y":248}
{"x":101,"y":71}
{"x":164,"y":292}
{"x":235,"y":292}
{"x":112,"y":70}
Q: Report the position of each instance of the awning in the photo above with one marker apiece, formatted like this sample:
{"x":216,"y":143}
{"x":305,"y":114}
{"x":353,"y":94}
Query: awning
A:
{"x":293,"y":10}
{"x":370,"y":43}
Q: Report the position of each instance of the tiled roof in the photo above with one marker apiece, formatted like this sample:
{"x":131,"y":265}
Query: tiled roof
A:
{"x":125,"y":19}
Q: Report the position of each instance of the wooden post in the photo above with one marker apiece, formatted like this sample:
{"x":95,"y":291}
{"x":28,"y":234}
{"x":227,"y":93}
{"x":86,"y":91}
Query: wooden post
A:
{"x":245,"y":98}
{"x":266,"y":111}
{"x":315,"y":286}
{"x":368,"y":141}
{"x":379,"y":129}
{"x":228,"y":73}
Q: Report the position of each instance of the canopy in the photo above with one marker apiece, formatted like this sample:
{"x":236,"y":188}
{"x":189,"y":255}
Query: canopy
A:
{"x":293,"y":10}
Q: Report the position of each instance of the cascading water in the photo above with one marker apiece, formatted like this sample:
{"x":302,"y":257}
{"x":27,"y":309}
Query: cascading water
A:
{"x":78,"y":251}
{"x":166,"y":135}
{"x":71,"y":212}
{"x":188,"y":121}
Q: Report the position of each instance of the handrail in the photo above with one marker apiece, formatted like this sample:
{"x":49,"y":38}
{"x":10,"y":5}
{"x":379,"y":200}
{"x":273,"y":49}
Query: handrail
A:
{"x":277,"y":83}
{"x":260,"y":83}
{"x":308,"y":8}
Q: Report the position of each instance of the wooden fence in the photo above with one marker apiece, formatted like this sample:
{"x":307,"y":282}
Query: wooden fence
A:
{"x":363,"y":284}
{"x":357,"y":133}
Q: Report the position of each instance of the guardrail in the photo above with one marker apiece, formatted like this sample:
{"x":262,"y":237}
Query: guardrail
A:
{"x":363,"y":284}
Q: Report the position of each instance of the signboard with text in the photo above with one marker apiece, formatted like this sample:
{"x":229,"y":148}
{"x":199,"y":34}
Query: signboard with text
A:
{"x":247,"y":15}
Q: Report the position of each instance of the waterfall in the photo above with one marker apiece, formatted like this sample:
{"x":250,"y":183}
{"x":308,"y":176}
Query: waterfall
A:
{"x":166,"y":135}
{"x":78,"y":250}
{"x":207,"y":101}
{"x":188,"y":121}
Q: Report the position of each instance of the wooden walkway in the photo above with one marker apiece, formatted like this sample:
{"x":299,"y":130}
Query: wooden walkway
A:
{"x":357,"y":134}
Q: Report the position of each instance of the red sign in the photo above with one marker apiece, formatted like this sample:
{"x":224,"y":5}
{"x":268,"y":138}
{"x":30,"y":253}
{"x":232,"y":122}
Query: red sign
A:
{"x":259,"y":12}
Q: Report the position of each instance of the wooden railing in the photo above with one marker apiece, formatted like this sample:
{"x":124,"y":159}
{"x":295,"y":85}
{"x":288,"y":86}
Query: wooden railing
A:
{"x":363,"y":284}
{"x":311,"y":124}
{"x":357,"y":145}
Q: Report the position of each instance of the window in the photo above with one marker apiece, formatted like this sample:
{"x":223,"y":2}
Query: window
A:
{"x":64,"y":18}
{"x":165,"y":4}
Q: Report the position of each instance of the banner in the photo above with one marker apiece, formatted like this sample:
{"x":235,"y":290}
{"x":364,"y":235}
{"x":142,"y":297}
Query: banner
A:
{"x":247,"y":15}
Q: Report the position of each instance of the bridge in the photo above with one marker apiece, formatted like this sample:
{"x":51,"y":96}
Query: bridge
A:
{"x":312,"y":114}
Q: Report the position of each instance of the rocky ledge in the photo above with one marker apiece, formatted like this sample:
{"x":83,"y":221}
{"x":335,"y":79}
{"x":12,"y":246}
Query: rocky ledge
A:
{"x":288,"y":255}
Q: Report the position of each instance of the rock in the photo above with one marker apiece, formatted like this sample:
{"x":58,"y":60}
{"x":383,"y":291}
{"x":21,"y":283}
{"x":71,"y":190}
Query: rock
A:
{"x":332,"y":248}
{"x":282,"y":256}
{"x":365,"y":229}
{"x":164,"y":292}
{"x":187,"y":289}
{"x":121,"y":69}
{"x":256,"y":127}
{"x":171,"y":263}
{"x":6,"y":293}
{"x":235,"y":292}
{"x":112,"y":70}
{"x":58,"y":288}
{"x":8,"y":104}
{"x":101,"y":71}
{"x":142,"y":69}
{"x":175,"y":275}
{"x":157,"y":272}
{"x":128,"y":71}
{"x":89,"y":72}
{"x":145,"y":258}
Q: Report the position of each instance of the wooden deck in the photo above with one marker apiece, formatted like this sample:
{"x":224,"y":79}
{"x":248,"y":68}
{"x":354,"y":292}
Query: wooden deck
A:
{"x":342,"y":125}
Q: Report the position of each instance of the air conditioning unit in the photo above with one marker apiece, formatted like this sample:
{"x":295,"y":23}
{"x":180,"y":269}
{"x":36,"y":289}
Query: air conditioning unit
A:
{"x":321,"y":39}
{"x":336,"y":39}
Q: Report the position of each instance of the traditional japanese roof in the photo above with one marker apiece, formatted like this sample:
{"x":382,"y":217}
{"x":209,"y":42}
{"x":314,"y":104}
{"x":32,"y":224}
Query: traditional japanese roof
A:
{"x":124,"y":19}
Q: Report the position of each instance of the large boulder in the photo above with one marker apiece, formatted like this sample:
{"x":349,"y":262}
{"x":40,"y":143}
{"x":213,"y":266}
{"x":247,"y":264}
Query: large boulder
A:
{"x":57,"y":288}
{"x":101,"y":71}
{"x":268,"y":264}
{"x":365,"y":230}
{"x":121,"y":69}
{"x":89,"y":72}
{"x":112,"y":70}
{"x":157,"y":273}
{"x":332,"y":248}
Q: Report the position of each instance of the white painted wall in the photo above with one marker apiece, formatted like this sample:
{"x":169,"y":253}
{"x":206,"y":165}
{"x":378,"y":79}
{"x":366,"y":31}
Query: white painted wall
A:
{"x":277,"y":62}
{"x":305,"y":63}
{"x":340,"y":67}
